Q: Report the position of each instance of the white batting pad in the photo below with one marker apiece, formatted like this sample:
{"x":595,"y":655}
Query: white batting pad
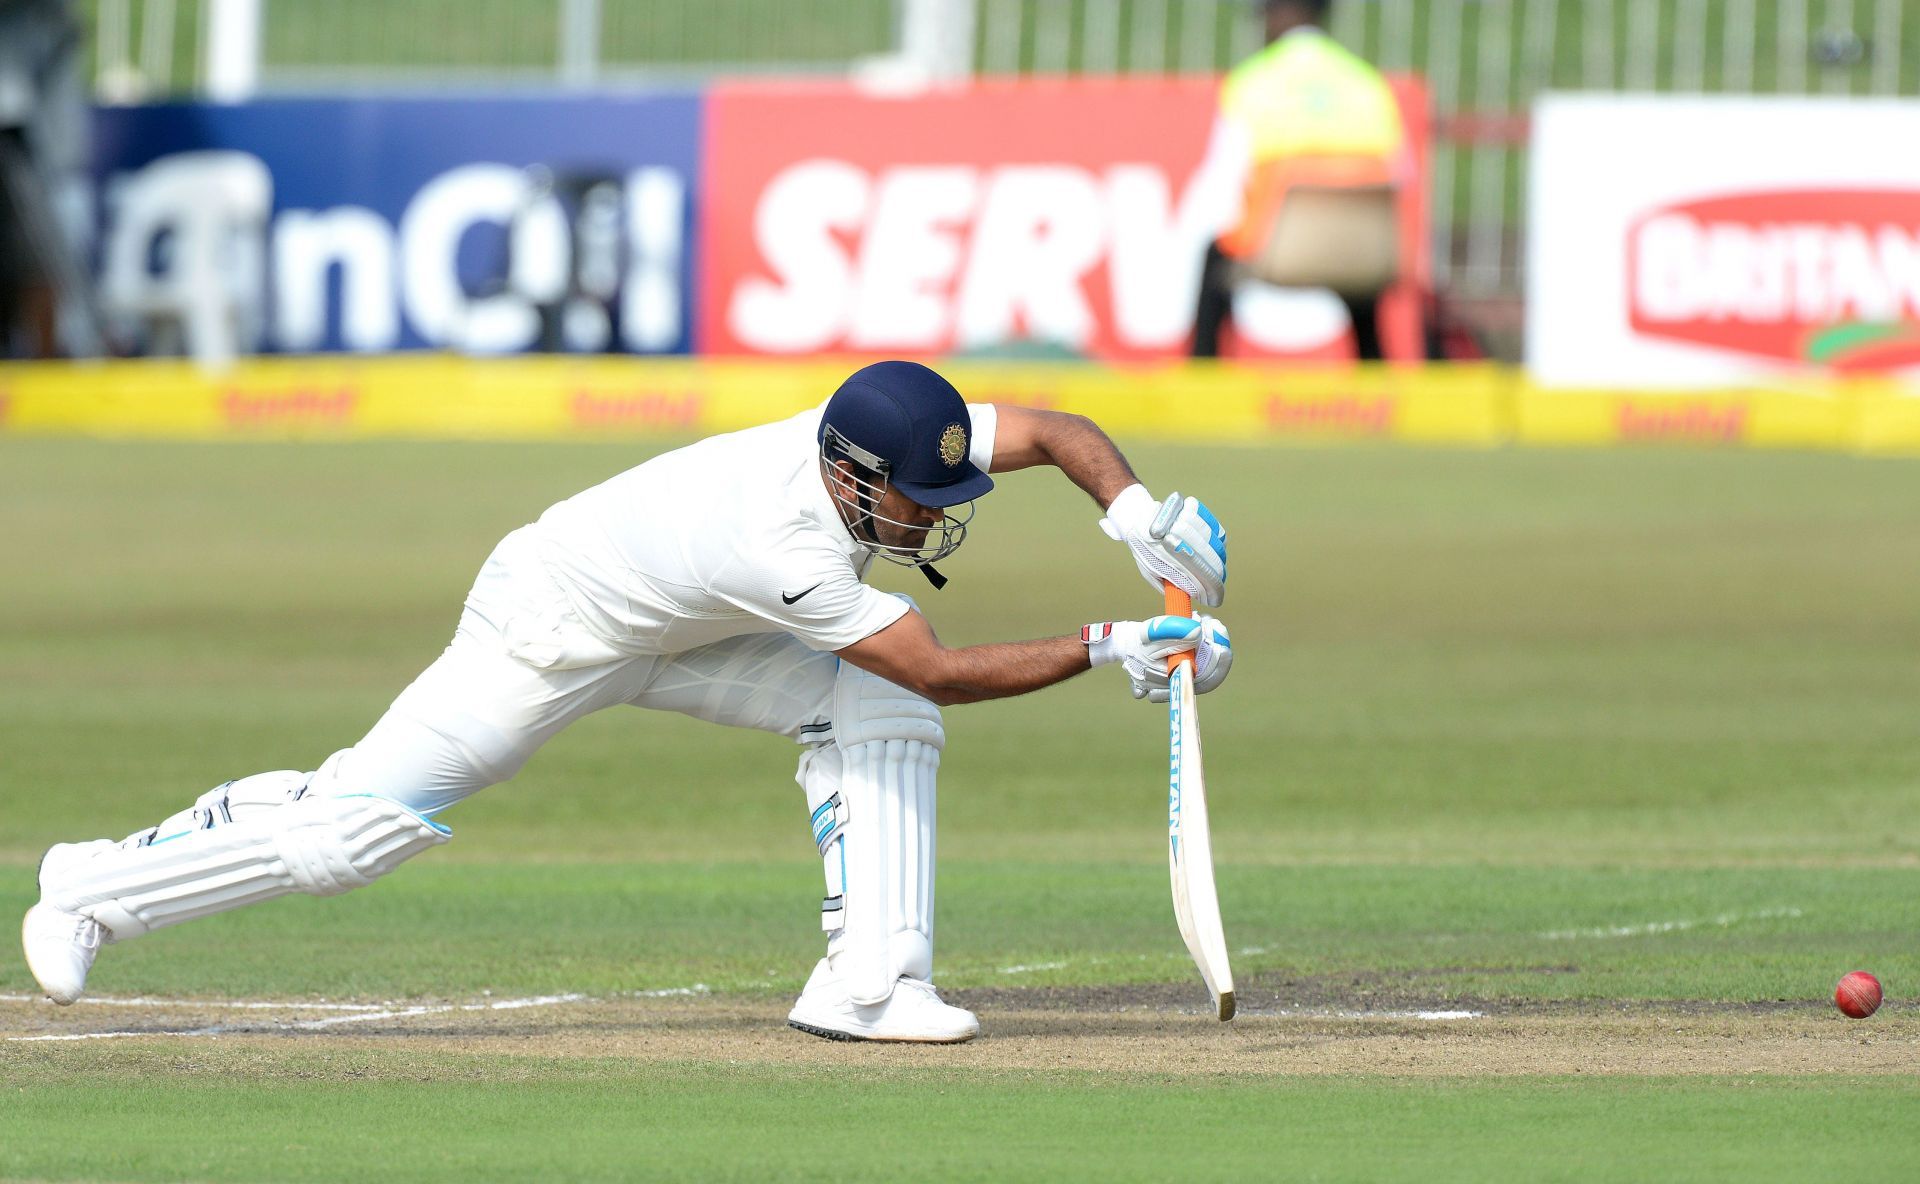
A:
{"x":231,"y":801}
{"x":321,"y":846}
{"x":872,"y":794}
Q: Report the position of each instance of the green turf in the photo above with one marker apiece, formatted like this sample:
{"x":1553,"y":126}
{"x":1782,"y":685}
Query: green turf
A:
{"x":1440,"y":932}
{"x":1556,"y":726}
{"x":1597,"y":658}
{"x":452,"y":1117}
{"x":1481,"y":697}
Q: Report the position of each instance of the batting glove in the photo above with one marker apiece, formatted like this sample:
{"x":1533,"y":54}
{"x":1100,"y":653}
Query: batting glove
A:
{"x":1143,"y":647}
{"x":1212,"y":659}
{"x":1179,"y":541}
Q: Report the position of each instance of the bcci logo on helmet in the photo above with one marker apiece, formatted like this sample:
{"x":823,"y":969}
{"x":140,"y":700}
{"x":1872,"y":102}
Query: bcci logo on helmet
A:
{"x":953,"y":445}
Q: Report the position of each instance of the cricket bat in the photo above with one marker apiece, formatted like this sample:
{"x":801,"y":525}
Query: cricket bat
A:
{"x":1196,"y":906}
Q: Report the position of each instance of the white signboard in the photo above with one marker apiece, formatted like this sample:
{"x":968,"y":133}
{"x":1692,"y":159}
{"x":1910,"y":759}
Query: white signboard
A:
{"x":1679,"y":242}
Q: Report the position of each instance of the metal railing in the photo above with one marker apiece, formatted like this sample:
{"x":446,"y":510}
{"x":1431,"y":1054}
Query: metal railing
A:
{"x":1114,"y":36}
{"x":146,"y":49}
{"x":1484,"y":60}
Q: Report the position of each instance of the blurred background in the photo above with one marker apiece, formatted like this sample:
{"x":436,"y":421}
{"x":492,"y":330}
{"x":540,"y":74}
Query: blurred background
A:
{"x":1700,"y":205}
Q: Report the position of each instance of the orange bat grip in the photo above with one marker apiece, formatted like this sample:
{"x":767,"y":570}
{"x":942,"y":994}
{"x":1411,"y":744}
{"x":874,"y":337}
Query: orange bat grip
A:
{"x":1179,"y":604}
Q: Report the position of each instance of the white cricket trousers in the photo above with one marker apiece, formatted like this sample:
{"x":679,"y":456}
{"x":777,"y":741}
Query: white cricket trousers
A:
{"x":521,"y":668}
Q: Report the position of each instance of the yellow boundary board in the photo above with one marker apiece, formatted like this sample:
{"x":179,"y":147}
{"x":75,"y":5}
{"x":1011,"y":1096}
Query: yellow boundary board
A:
{"x":432,"y":396}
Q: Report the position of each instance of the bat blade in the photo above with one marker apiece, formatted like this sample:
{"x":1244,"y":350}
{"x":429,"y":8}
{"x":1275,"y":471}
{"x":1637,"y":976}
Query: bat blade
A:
{"x":1196,"y":903}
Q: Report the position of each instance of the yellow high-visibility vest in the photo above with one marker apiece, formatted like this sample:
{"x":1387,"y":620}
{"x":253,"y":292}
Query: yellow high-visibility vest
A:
{"x":1307,"y":95}
{"x":1313,"y":114}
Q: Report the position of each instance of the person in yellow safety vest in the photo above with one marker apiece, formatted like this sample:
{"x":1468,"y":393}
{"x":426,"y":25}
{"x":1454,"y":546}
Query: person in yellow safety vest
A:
{"x":1303,"y":170}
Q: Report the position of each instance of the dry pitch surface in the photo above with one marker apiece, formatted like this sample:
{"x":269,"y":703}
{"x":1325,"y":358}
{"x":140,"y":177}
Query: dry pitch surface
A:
{"x":1284,"y":1029}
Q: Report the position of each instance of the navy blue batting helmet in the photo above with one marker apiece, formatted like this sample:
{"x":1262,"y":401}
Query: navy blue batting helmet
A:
{"x":909,"y":426}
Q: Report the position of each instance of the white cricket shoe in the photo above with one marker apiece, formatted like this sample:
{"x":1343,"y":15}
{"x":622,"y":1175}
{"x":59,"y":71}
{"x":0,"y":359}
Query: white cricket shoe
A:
{"x":61,"y":946}
{"x":60,"y":950}
{"x":913,"y":1013}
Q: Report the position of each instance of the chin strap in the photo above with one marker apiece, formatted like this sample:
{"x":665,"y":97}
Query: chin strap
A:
{"x":933,"y":576}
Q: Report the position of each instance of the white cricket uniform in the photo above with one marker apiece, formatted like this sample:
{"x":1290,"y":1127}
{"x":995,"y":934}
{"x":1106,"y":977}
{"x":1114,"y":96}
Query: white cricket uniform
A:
{"x":714,"y":580}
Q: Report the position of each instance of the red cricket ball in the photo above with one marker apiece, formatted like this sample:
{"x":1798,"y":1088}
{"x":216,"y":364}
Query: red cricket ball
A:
{"x":1858,"y":995}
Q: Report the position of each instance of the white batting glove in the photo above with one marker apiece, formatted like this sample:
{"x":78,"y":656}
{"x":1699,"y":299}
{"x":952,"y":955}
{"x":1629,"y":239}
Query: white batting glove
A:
{"x":1143,"y":647}
{"x":1179,"y":541}
{"x":1212,"y":659}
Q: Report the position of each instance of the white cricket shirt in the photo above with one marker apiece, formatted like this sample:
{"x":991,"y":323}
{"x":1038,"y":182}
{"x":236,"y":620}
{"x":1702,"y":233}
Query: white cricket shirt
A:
{"x":735,"y":534}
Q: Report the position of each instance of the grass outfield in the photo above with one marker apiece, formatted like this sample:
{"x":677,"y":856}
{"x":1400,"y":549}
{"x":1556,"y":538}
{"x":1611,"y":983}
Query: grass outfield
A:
{"x":620,"y":1121}
{"x":1540,"y":735}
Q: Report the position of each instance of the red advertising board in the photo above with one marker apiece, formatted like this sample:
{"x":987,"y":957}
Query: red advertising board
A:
{"x":1061,"y":211}
{"x":1795,"y":274}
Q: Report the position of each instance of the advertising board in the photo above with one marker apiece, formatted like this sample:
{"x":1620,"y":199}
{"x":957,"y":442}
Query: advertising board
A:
{"x":1700,"y":241}
{"x":1052,"y":212}
{"x":484,"y":224}
{"x":1058,"y":217}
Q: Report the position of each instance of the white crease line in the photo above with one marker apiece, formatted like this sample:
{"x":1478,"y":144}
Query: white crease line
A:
{"x":93,"y":1036}
{"x":1651,"y":927}
{"x":516,"y":1004}
{"x":222,"y":1004}
{"x":382,"y":1012}
{"x":1031,"y":966}
{"x":674,"y":992}
{"x":1334,"y":1013}
{"x":309,"y":1025}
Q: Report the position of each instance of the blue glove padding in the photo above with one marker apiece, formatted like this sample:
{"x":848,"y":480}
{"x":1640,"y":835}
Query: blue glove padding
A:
{"x":1143,"y":648}
{"x":1212,"y":659}
{"x":1179,"y":541}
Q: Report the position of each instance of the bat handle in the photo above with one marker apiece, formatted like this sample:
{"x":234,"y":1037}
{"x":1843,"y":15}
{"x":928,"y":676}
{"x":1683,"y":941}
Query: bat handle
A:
{"x":1179,"y":604}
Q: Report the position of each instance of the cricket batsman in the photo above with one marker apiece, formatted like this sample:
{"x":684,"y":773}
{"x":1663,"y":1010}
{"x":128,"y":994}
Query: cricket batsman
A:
{"x":723,"y":581}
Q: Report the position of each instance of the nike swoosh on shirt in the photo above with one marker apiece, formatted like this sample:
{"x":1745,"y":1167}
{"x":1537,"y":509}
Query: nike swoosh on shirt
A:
{"x":785,"y":599}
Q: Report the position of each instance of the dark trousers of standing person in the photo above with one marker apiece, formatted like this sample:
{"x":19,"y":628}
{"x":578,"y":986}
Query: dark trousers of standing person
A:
{"x":1215,"y":309}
